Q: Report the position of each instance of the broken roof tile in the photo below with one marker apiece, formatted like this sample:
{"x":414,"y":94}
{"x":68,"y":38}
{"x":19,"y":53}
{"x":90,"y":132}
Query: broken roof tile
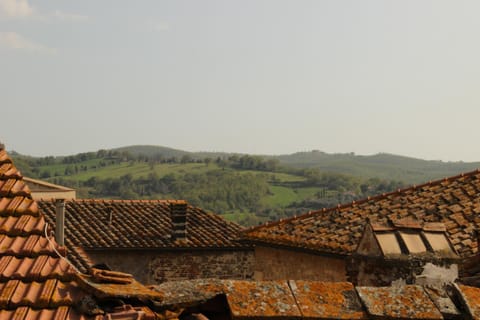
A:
{"x":115,"y":290}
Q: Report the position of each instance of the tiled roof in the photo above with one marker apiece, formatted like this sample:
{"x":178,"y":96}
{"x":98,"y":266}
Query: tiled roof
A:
{"x":322,"y":300}
{"x":454,"y":201}
{"x":138,"y":224}
{"x":35,"y":281}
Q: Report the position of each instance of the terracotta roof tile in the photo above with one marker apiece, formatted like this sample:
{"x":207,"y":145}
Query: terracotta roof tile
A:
{"x":13,"y":187}
{"x":17,"y":206}
{"x":116,"y":289}
{"x":248,"y":299}
{"x":327,"y":300}
{"x":21,"y":226}
{"x":443,"y":302}
{"x":8,"y":171}
{"x":471,"y":297}
{"x":186,"y":292}
{"x":446,"y":201}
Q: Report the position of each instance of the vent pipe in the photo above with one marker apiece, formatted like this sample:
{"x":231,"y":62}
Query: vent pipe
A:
{"x":178,"y":213}
{"x":60,"y":221}
{"x":110,"y":215}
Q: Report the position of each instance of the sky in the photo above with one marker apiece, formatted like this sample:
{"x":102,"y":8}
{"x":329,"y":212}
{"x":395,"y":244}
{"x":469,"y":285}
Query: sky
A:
{"x":248,"y":76}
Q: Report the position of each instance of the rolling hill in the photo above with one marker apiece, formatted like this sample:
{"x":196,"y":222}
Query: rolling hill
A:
{"x":244,"y":188}
{"x":382,"y":165}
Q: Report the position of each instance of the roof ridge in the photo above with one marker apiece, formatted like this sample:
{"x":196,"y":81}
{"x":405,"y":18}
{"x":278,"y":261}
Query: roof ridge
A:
{"x":364,"y":200}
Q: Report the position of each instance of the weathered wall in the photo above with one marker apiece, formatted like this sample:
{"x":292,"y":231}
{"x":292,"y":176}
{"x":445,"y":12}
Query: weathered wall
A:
{"x":379,"y":271}
{"x":151,"y":267}
{"x":275,"y":264}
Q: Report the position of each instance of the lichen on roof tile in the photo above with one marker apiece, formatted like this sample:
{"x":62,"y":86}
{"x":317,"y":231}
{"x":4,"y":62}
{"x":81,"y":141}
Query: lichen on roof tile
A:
{"x":398,"y":302}
{"x":327,"y":300}
{"x":248,"y":299}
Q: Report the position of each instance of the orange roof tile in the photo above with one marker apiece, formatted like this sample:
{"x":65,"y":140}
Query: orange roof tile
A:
{"x":248,"y":299}
{"x":327,"y":300}
{"x":454,"y":201}
{"x":188,"y":292}
{"x":471,"y":297}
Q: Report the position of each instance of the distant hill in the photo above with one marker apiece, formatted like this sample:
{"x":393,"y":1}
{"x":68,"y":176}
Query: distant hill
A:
{"x":167,"y":152}
{"x":382,"y":165}
{"x":152,"y":151}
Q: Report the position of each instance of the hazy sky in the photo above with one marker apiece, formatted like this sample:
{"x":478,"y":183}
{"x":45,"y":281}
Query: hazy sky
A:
{"x":265,"y":77}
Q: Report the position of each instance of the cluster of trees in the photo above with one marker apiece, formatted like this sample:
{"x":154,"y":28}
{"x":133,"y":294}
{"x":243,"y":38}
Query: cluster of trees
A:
{"x":215,"y":190}
{"x":248,"y":162}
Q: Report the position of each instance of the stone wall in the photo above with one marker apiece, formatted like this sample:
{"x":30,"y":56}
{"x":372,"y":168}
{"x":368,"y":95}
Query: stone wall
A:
{"x":276,"y":264}
{"x":154,"y":267}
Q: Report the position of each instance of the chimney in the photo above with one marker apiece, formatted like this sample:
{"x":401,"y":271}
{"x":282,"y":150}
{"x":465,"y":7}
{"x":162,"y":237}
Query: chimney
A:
{"x":178,"y":213}
{"x":60,"y":221}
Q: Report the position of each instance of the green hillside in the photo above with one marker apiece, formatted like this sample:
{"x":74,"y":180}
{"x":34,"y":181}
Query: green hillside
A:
{"x":383,"y":165}
{"x":150,"y":151}
{"x":153,"y":151}
{"x":246,"y":188}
